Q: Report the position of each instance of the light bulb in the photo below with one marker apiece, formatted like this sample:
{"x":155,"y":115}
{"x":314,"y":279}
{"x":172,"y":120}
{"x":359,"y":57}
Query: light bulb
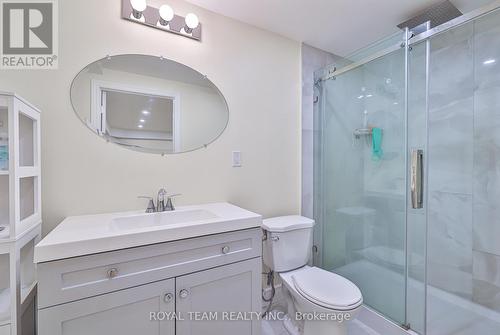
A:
{"x":191,"y":22}
{"x":139,"y":5}
{"x":166,"y":14}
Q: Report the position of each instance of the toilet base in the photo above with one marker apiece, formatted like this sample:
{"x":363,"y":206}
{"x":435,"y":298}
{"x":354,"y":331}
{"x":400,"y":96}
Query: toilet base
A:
{"x":297,"y":304}
{"x":290,"y":327}
{"x":303,"y":327}
{"x":325,"y":328}
{"x":315,"y":327}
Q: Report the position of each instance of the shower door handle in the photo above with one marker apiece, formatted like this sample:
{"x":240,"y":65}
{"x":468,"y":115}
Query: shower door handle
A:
{"x":417,"y":179}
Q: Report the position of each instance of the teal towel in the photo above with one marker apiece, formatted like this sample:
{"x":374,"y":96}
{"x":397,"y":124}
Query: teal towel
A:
{"x":377,"y":151}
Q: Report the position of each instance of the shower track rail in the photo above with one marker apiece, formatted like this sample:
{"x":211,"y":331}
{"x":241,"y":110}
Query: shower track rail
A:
{"x":461,"y":20}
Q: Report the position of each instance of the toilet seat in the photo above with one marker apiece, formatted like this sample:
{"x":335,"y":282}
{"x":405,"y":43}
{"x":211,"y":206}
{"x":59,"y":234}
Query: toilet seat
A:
{"x":327,"y":289}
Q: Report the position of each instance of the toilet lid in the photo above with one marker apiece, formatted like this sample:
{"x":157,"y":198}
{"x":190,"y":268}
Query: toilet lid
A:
{"x":283,"y":224}
{"x":327,"y":289}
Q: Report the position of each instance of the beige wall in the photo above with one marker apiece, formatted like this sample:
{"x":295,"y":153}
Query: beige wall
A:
{"x":257,"y":71}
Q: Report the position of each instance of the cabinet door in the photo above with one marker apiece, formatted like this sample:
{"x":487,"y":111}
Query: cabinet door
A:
{"x":221,"y":290}
{"x":126,"y":312}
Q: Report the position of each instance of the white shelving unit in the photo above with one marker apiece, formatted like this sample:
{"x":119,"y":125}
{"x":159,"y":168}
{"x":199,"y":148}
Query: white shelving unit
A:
{"x":20,"y":213}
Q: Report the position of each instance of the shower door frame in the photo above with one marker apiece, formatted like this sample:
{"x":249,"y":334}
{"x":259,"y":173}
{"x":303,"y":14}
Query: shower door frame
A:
{"x":332,"y":73}
{"x":424,"y":37}
{"x":463,"y":19}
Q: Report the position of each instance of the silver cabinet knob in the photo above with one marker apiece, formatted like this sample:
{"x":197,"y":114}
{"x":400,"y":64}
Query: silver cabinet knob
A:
{"x":112,"y":273}
{"x":225,"y":249}
{"x":168,"y":297}
{"x":183,"y":293}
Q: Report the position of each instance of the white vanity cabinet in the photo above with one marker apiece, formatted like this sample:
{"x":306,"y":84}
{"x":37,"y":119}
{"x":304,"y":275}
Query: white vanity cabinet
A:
{"x":227,"y":289}
{"x":121,"y":312}
{"x":116,"y":292}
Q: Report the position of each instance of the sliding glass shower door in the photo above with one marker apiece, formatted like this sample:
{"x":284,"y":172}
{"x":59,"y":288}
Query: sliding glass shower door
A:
{"x":361,"y":179}
{"x":463,"y":238}
{"x":407,"y":177}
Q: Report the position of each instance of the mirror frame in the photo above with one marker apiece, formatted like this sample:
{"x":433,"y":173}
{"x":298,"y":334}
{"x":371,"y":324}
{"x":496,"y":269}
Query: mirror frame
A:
{"x":109,"y":57}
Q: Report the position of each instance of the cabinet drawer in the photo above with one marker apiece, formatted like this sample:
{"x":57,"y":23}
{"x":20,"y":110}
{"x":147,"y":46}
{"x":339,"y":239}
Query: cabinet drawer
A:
{"x":81,"y":277}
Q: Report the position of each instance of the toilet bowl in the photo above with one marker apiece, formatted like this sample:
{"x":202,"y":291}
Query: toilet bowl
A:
{"x":319,"y":302}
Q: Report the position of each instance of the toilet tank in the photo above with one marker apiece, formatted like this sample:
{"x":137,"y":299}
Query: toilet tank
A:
{"x":288,"y":244}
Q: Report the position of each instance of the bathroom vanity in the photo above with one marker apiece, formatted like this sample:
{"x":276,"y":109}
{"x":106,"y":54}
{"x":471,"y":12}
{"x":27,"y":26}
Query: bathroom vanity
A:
{"x":113,"y":273}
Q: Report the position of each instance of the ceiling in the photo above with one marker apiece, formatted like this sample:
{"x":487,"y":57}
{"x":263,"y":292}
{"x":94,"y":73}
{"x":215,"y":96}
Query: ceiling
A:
{"x":337,"y":26}
{"x":124,"y":111}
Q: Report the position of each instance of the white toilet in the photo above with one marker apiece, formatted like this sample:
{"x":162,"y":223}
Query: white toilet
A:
{"x":324,"y":301}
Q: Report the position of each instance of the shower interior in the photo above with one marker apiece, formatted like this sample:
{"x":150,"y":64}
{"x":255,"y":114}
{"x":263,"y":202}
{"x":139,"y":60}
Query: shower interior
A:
{"x":434,"y":269}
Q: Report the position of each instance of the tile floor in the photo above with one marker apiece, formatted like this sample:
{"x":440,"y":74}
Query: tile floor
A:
{"x":356,"y":327}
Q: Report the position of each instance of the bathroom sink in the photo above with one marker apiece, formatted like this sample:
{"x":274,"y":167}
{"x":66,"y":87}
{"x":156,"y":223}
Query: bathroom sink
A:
{"x":91,"y":234}
{"x":160,"y":219}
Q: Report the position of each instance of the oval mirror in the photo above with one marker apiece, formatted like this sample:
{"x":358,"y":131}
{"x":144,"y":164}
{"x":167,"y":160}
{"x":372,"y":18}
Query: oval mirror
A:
{"x":149,"y":104}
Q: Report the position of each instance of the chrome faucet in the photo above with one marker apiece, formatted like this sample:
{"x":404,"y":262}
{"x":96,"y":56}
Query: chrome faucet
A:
{"x":163,"y":202}
{"x":170,"y":205}
{"x":160,"y":200}
{"x":151,"y":204}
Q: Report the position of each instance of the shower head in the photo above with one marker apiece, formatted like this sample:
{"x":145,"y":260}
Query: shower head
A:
{"x":437,"y":14}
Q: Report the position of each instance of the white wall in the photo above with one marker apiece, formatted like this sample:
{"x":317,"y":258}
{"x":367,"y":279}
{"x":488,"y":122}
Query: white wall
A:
{"x":313,"y":59}
{"x":257,"y":71}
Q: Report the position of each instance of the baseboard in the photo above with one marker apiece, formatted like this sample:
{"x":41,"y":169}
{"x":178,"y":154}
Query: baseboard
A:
{"x":380,"y":323}
{"x":367,"y":316}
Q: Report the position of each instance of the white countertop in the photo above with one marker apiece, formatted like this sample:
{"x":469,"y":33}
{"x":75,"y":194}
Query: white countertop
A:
{"x":90,"y":234}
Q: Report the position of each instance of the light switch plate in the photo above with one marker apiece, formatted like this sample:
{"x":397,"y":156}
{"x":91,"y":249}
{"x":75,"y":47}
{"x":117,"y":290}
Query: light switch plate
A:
{"x":237,"y":159}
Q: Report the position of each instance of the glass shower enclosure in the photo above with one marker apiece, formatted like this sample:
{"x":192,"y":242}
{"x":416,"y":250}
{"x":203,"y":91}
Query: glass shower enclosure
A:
{"x":407,"y":175}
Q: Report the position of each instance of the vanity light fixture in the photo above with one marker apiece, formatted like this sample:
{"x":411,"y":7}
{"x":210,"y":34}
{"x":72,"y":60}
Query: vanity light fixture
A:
{"x":162,"y":18}
{"x":192,"y":22}
{"x":138,"y":7}
{"x":166,"y":15}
